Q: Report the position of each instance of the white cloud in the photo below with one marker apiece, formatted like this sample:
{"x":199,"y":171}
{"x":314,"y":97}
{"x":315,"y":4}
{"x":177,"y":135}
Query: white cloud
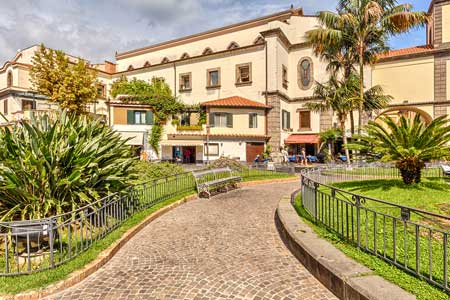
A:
{"x":96,"y":29}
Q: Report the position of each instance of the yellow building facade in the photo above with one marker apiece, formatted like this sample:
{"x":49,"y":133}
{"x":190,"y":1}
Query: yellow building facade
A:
{"x":253,"y":80}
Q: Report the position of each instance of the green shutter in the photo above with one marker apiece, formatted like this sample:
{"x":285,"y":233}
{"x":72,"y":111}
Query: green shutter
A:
{"x":211,"y":119}
{"x":255,"y":124}
{"x":288,"y":120}
{"x":149,"y":118}
{"x":250,"y":120}
{"x":230,"y":120}
{"x":130,"y":117}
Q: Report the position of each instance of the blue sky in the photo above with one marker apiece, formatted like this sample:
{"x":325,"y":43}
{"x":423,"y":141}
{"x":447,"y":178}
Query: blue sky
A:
{"x":96,"y":29}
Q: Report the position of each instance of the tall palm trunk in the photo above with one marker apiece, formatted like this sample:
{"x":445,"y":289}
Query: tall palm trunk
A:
{"x":361,"y":89}
{"x":352,"y":122}
{"x":344,"y":138}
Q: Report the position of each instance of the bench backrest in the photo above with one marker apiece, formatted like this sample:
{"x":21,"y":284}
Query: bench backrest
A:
{"x":204,"y":176}
{"x":445,"y":169}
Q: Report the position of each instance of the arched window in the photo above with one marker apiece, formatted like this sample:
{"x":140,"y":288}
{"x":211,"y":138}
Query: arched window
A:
{"x":233,"y":45}
{"x":207,"y":51}
{"x":9,"y":79}
{"x":165,"y":60}
{"x":258,"y":40}
{"x":305,"y":73}
{"x":184,"y":56}
{"x":130,"y":68}
{"x":147,"y":64}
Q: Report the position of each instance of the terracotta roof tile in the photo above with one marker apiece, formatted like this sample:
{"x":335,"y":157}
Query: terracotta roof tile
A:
{"x":235,"y":101}
{"x":406,"y":51}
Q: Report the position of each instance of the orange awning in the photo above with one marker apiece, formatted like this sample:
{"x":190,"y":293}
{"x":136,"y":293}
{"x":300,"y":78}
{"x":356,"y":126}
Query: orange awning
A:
{"x":302,"y":139}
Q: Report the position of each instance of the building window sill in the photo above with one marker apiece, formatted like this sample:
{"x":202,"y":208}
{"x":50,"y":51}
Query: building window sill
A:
{"x":213,"y":87}
{"x":304,"y":129}
{"x":243,"y":83}
{"x":184,"y":90}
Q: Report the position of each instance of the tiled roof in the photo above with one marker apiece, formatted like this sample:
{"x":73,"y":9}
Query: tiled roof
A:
{"x":234,"y":101}
{"x":406,"y":51}
{"x":302,"y":139}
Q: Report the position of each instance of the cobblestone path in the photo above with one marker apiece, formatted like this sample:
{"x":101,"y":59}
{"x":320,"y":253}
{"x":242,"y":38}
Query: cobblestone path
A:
{"x":226,"y":247}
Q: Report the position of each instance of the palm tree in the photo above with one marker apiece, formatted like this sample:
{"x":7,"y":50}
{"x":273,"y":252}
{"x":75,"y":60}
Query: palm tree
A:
{"x":338,"y":96}
{"x":360,"y":29}
{"x":408,"y":143}
{"x":342,"y":97}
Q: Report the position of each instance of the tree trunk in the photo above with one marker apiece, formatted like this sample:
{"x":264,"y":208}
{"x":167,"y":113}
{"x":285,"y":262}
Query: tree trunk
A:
{"x":361,"y":89}
{"x":352,"y":123}
{"x":344,"y":138}
{"x":410,"y":170}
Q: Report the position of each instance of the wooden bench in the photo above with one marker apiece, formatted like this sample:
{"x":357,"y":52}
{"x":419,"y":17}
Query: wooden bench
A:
{"x":215,"y":180}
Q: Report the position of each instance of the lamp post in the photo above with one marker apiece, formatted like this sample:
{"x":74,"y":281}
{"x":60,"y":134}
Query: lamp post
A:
{"x":207,"y":143}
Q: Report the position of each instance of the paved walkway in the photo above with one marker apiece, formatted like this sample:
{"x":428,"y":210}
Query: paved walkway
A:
{"x":226,"y":247}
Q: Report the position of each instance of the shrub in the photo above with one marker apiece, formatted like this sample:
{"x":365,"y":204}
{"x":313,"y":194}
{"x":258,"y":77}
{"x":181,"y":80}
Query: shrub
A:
{"x":148,"y":170}
{"x":224,"y":162}
{"x":54,"y":165}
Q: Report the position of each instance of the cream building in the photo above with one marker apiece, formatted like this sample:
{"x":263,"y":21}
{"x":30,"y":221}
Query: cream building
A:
{"x":252,"y":79}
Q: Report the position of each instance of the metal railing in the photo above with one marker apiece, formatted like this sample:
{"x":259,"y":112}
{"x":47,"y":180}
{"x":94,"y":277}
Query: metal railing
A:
{"x":35,"y":245}
{"x":412,"y":239}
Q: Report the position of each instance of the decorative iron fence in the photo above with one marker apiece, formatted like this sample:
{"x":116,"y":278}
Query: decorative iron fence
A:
{"x":36,"y":245}
{"x":412,"y":239}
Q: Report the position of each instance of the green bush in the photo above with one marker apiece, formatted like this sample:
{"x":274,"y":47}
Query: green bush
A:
{"x":52,"y":165}
{"x":149,"y":171}
{"x":224,"y":162}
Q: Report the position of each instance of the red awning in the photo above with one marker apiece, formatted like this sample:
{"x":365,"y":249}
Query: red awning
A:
{"x":302,"y":139}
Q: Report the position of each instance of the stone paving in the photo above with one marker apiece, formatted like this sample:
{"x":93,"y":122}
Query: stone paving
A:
{"x":226,"y":247}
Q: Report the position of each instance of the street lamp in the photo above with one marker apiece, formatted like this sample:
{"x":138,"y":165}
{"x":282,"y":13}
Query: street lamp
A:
{"x":208,"y":130}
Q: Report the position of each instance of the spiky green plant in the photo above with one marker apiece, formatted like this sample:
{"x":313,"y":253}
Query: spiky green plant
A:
{"x":408,"y":143}
{"x":55,"y":164}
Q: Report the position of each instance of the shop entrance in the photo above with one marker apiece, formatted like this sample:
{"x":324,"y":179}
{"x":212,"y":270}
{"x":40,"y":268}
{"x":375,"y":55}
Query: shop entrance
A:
{"x":184,"y":154}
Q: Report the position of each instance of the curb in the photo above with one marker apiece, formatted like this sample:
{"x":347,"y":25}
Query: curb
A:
{"x":104,"y":256}
{"x":344,"y":277}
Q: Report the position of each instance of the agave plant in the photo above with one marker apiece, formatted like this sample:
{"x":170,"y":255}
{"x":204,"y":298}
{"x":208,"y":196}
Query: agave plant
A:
{"x":55,"y":164}
{"x":408,"y":143}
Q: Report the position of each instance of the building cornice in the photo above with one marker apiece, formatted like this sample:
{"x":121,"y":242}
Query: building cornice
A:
{"x":289,"y":99}
{"x":255,"y":47}
{"x":281,"y":16}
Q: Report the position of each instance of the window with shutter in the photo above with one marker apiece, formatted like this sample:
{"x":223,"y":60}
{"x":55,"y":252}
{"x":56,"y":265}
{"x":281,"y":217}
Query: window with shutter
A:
{"x":229,"y":120}
{"x":244,"y":73}
{"x":305,"y":120}
{"x":130,"y":116}
{"x":285,"y":119}
{"x":212,"y":118}
{"x":149,"y":118}
{"x":253,"y":120}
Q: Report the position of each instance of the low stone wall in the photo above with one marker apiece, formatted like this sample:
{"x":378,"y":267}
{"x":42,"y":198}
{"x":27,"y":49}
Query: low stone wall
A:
{"x":343,"y":276}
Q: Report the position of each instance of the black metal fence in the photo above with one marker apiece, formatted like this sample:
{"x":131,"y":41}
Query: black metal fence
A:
{"x":35,"y":245}
{"x":414,"y":240}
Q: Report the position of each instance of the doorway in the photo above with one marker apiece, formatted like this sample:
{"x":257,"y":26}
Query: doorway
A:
{"x":252,"y":150}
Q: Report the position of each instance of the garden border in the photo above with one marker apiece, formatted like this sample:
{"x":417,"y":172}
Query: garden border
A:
{"x":79,"y":275}
{"x":344,"y":277}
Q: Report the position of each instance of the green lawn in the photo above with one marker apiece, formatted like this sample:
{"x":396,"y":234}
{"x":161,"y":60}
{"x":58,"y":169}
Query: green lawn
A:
{"x":382,"y":232}
{"x":418,"y":287}
{"x":432,"y":194}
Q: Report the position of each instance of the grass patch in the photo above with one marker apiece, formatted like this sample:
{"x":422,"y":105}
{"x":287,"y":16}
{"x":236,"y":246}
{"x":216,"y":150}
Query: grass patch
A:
{"x":418,"y":287}
{"x":432,"y":194}
{"x":256,"y":174}
{"x":16,"y":284}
